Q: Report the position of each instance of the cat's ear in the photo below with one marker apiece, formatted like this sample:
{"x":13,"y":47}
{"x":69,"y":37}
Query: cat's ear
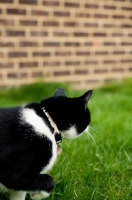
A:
{"x":85,"y":97}
{"x":59,"y":92}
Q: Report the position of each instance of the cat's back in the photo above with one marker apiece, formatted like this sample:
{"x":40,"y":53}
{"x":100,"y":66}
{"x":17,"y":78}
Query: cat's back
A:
{"x":9,"y":113}
{"x":9,"y":117}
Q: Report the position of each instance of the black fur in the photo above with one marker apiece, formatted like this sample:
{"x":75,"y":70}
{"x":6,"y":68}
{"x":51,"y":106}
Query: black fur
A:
{"x":23,"y":153}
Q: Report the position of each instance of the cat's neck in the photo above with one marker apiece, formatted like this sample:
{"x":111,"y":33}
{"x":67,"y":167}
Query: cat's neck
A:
{"x":42,"y":112}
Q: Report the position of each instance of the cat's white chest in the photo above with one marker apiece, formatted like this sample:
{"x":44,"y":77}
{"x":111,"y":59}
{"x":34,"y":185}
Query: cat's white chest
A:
{"x":41,"y":128}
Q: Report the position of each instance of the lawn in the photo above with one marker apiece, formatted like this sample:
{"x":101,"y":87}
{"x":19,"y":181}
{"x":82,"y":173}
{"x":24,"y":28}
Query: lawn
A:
{"x":91,"y":169}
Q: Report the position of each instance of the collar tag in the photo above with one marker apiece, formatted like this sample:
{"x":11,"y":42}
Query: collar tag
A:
{"x":58,"y":137}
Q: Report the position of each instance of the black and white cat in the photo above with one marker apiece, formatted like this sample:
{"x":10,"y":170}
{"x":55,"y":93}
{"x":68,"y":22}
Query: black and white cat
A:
{"x":29,"y":137}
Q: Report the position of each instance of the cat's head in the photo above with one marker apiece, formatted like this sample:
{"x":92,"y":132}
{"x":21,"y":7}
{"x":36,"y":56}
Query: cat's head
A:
{"x":71,"y":115}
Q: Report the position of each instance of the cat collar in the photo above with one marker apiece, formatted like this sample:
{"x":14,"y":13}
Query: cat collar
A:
{"x":56,"y":133}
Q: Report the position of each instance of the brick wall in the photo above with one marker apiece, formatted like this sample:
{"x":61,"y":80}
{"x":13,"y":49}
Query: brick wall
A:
{"x":83,"y":42}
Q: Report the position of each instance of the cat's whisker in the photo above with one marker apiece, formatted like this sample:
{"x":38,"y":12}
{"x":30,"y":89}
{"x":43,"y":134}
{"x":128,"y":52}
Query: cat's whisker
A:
{"x":93,"y":130}
{"x":92,"y":138}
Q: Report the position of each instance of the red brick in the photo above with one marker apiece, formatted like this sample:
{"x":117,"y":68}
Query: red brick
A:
{"x":15,"y":33}
{"x":91,"y":6}
{"x":39,"y":12}
{"x":7,"y":44}
{"x":118,"y":70}
{"x":61,"y":14}
{"x":17,"y":54}
{"x":91,"y":25}
{"x":109,"y":61}
{"x":60,"y":34}
{"x":72,"y":63}
{"x":118,"y":16}
{"x":117,"y":34}
{"x":37,"y":74}
{"x":51,"y":3}
{"x":83,"y":53}
{"x":91,"y":62}
{"x":127,"y":8}
{"x":28,"y":23}
{"x":6,"y":22}
{"x":118,"y":52}
{"x":80,"y":34}
{"x":51,"y":63}
{"x":28,"y":44}
{"x":38,"y":33}
{"x":100,"y":16}
{"x":126,"y":26}
{"x":109,"y":43}
{"x":97,"y":71}
{"x":88,"y":43}
{"x":110,"y":7}
{"x":61,"y":53}
{"x":126,"y":61}
{"x":16,"y":75}
{"x":6,"y":65}
{"x":13,"y":11}
{"x":61,"y":73}
{"x":28,"y":64}
{"x":126,"y":43}
{"x":71,"y":24}
{"x":101,"y":52}
{"x":41,"y":54}
{"x":6,"y":1}
{"x":73,"y":5}
{"x":99,"y":34}
{"x":50,"y":23}
{"x":109,"y":25}
{"x":73,"y":44}
{"x":51,"y":44}
{"x":84,"y":15}
{"x":78,"y":72}
{"x":28,"y":2}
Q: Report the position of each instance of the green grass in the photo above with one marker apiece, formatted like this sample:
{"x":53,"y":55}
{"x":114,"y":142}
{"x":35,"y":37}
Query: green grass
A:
{"x":85,"y":171}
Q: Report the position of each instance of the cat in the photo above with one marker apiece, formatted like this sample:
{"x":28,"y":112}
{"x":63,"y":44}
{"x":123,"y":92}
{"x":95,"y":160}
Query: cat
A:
{"x":29,"y":137}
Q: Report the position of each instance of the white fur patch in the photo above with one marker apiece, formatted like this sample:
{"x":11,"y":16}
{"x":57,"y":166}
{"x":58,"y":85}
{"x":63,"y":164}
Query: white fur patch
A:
{"x":71,"y":133}
{"x":39,"y":195}
{"x":86,"y":130}
{"x":37,"y":122}
{"x":17,"y":195}
{"x":41,"y":128}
